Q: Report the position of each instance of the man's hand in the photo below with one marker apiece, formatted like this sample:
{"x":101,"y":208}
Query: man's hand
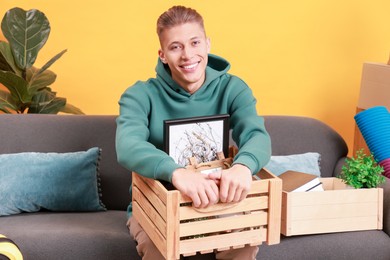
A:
{"x":234,"y":183}
{"x":202,"y":191}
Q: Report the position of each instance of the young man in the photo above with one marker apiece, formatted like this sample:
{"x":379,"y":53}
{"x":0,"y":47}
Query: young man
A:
{"x":190,"y":82}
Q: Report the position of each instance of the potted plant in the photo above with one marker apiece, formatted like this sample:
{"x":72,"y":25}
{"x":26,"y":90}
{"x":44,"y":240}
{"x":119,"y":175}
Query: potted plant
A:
{"x":362,"y":171}
{"x":28,"y":86}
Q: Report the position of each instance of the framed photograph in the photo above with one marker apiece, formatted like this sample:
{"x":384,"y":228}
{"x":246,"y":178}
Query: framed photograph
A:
{"x":199,"y":137}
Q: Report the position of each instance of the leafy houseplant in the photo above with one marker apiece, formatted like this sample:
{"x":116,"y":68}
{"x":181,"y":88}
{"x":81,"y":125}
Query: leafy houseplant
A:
{"x":362,"y":171}
{"x":28,"y":86}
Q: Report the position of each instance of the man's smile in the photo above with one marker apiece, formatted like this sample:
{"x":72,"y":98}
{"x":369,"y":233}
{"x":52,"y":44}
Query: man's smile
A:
{"x":189,"y":66}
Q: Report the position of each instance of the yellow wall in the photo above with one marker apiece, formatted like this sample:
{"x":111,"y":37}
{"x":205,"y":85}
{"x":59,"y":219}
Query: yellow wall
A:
{"x":300,"y":57}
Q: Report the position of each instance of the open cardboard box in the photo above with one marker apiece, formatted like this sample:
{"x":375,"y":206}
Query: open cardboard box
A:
{"x":374,"y":91}
{"x":375,"y":85}
{"x":338,"y":208}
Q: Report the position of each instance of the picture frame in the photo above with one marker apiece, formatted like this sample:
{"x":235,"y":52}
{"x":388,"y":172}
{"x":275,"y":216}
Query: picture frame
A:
{"x":200,"y":137}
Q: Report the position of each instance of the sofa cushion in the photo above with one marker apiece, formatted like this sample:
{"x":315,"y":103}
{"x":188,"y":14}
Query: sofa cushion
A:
{"x":306,"y":162}
{"x":356,"y":245}
{"x":50,"y":181}
{"x":101,"y":235}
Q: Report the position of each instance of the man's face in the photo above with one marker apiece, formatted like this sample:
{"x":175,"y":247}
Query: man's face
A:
{"x":185,"y":48}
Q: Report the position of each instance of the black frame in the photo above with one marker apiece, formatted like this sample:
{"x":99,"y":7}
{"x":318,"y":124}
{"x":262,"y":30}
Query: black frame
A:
{"x":168,"y":124}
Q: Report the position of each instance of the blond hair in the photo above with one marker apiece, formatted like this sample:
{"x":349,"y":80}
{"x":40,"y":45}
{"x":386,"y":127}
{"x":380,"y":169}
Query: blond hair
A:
{"x":178,"y":15}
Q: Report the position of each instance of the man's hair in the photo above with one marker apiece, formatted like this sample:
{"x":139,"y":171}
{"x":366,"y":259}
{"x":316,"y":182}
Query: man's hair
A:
{"x":178,"y":15}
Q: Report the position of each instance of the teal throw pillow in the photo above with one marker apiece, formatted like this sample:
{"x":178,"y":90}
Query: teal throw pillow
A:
{"x":31,"y":182}
{"x":306,"y":162}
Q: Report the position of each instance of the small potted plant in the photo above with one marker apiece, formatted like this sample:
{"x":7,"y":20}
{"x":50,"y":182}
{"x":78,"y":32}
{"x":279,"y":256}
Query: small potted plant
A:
{"x":362,"y":171}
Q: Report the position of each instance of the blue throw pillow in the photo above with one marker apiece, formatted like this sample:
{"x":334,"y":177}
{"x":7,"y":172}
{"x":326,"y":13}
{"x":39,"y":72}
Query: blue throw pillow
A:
{"x":306,"y":162}
{"x":50,"y":181}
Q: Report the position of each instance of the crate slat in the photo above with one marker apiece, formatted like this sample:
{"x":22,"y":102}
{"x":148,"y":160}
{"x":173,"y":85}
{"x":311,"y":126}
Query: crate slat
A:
{"x":205,"y":244}
{"x":334,"y":211}
{"x":157,"y":238}
{"x":157,"y":188}
{"x":317,"y":226}
{"x":152,"y":196}
{"x":257,"y":187}
{"x":333,"y":197}
{"x":220,"y":223}
{"x":150,"y":211}
{"x":173,"y":225}
{"x":274,"y":210}
{"x":250,"y":204}
{"x":380,"y":209}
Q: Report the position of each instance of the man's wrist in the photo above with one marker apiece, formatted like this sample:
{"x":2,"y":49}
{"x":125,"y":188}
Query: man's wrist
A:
{"x":175,"y":172}
{"x":242,"y":167}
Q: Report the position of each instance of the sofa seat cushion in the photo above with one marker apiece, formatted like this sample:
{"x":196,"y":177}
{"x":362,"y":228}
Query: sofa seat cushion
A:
{"x":372,"y":244}
{"x":87,"y":236}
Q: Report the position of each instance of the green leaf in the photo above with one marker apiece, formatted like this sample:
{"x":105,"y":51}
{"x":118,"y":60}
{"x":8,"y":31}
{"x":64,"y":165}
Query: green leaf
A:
{"x":51,"y":61}
{"x":70,"y":109}
{"x":3,"y":61}
{"x":16,"y":85}
{"x":41,"y":78}
{"x":3,"y":64}
{"x":7,"y":58}
{"x":39,"y":81}
{"x":26,"y":32}
{"x":362,"y":171}
{"x":6,"y":102}
{"x":46,"y":102}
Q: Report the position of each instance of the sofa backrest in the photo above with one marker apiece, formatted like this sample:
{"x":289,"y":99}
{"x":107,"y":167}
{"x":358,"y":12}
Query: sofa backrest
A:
{"x":295,"y":135}
{"x":70,"y":133}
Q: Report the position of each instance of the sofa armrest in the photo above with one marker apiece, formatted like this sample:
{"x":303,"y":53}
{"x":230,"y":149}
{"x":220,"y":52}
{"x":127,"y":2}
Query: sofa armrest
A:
{"x":386,"y":206}
{"x":338,"y":166}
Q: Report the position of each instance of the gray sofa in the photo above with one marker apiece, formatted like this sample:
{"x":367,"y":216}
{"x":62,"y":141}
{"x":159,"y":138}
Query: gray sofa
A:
{"x":103,"y":235}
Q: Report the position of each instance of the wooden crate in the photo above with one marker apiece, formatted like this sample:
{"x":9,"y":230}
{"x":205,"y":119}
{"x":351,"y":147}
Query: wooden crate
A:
{"x":337,"y":209}
{"x":177,"y":228}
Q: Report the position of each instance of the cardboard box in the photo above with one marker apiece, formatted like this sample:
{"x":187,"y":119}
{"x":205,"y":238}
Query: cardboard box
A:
{"x":177,"y":228}
{"x":375,"y":85}
{"x":337,"y":209}
{"x":374,"y":91}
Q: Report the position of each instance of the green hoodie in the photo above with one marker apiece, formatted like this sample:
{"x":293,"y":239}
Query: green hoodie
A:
{"x":145,"y":106}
